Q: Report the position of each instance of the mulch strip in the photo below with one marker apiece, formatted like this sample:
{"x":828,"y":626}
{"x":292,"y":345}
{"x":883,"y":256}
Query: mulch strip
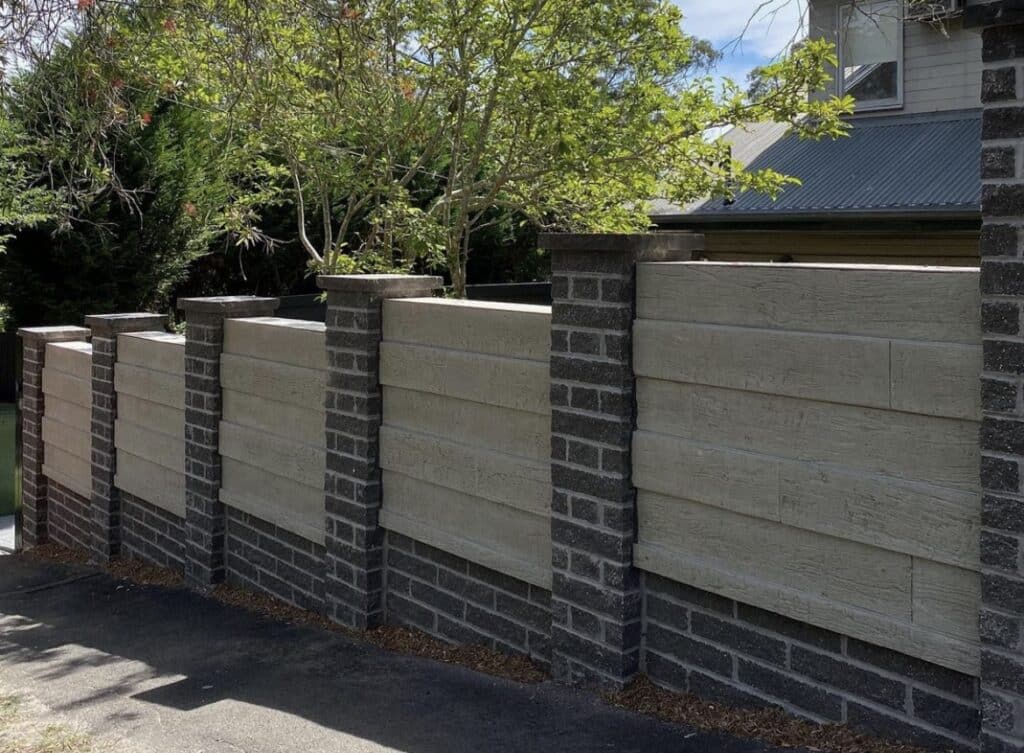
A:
{"x":772,"y":726}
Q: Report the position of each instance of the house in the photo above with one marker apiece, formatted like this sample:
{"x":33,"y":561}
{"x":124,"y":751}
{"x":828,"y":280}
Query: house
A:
{"x":903,"y":187}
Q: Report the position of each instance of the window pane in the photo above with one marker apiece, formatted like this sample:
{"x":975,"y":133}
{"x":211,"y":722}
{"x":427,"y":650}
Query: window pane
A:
{"x":870,"y":50}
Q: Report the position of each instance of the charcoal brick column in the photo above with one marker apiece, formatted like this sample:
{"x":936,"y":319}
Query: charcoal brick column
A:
{"x":352,"y":484}
{"x":1001,"y":612}
{"x":106,"y":504}
{"x":204,"y":512}
{"x":33,"y":482}
{"x":595,"y":594}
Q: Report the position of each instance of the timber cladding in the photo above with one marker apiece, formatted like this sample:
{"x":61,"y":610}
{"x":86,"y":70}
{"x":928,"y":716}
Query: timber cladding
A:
{"x":465,"y":440}
{"x":149,"y":432}
{"x":273,"y":378}
{"x":807,"y":443}
{"x":66,"y":427}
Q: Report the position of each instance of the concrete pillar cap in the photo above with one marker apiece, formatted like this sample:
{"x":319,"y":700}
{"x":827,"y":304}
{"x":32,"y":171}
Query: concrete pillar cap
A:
{"x":658,"y":246}
{"x":112,"y":324}
{"x":379,"y":285}
{"x":230,"y":305}
{"x":53,"y":334}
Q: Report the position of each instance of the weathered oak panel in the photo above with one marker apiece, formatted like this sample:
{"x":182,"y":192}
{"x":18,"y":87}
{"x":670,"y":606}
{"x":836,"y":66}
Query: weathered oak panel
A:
{"x":291,"y":505}
{"x":294,"y":385}
{"x":289,"y":341}
{"x":153,"y":482}
{"x":161,"y":351}
{"x":148,"y":384}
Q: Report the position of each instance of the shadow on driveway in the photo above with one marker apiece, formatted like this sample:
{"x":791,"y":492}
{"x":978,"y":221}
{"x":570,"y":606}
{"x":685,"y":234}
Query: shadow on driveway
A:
{"x":169,"y":670}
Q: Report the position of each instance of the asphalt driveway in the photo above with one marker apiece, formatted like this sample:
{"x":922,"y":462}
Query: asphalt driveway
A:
{"x":168,"y":670}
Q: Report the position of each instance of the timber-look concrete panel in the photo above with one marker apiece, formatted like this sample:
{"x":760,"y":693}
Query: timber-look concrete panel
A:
{"x":66,"y":427}
{"x":807,"y":443}
{"x":273,"y":374}
{"x":149,"y":432}
{"x":465,"y":441}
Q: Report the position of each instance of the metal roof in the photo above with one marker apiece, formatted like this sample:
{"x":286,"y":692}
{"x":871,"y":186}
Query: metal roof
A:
{"x":893,"y":165}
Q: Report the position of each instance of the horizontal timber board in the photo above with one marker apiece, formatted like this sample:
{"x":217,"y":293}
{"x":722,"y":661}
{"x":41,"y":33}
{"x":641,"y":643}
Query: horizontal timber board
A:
{"x":926,"y":521}
{"x":67,"y":387}
{"x":69,"y":414}
{"x":302,"y":463}
{"x":299,"y":424}
{"x":500,"y":537}
{"x":70,"y":470}
{"x":149,"y":384}
{"x":160,"y":351}
{"x":162,"y":419}
{"x":939,"y":451}
{"x":913,"y":303}
{"x":496,"y":477}
{"x":499,"y":329}
{"x":290,"y":341}
{"x":74,"y":358}
{"x":491,"y":427}
{"x":841,"y":571}
{"x":72,"y":439}
{"x":158,"y":485}
{"x":872,"y":627}
{"x":159,"y":448}
{"x":739,"y":481}
{"x":937,"y":379}
{"x":294,"y":385}
{"x":831,"y":368}
{"x":946,"y":599}
{"x":293,"y":506}
{"x":506,"y":382}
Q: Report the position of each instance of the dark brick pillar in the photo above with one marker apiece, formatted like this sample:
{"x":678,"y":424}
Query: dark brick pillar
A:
{"x":595,"y":591}
{"x":33,"y":482}
{"x":1002,"y":437}
{"x":106,"y":504}
{"x":204,"y":512}
{"x":354,"y":540}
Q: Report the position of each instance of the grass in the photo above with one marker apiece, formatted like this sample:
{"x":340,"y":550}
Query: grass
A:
{"x":20,"y":732}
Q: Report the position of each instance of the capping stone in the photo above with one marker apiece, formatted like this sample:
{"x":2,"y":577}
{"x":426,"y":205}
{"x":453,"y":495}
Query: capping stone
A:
{"x":230,"y":305}
{"x":108,"y":325}
{"x":398,"y":286}
{"x":53,"y":334}
{"x":658,"y":246}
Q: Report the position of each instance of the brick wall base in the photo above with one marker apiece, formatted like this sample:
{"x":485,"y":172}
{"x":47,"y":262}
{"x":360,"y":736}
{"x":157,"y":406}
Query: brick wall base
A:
{"x":69,"y":517}
{"x":718,"y":649}
{"x":151,"y":534}
{"x":461,"y":602}
{"x":262,"y":557}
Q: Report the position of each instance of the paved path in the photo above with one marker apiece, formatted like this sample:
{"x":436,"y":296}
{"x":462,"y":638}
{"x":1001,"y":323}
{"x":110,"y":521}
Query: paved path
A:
{"x":167,"y":670}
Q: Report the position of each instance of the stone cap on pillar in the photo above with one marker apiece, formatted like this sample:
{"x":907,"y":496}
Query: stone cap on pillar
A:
{"x":53,"y":334}
{"x":381,"y":286}
{"x":665,"y":245}
{"x":115,"y":324}
{"x":229,"y":306}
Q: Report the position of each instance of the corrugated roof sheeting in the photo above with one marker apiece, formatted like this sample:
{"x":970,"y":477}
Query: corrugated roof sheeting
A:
{"x":888,"y":163}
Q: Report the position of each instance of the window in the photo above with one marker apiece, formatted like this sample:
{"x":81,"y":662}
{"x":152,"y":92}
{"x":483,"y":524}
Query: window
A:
{"x":871,"y":53}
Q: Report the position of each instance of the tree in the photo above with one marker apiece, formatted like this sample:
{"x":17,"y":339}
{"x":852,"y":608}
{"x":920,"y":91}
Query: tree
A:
{"x":400,"y":130}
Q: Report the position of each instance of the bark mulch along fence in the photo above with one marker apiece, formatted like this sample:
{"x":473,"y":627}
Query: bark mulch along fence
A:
{"x":769,"y":725}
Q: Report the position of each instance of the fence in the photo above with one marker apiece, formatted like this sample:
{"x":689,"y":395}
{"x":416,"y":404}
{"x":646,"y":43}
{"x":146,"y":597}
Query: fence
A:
{"x":756,"y":483}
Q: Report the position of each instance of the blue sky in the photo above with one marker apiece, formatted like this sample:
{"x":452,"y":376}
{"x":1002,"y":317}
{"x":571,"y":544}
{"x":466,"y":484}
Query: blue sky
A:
{"x":772,"y":27}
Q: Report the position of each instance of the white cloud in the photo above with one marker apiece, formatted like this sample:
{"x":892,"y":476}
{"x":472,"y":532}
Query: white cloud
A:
{"x":746,"y":28}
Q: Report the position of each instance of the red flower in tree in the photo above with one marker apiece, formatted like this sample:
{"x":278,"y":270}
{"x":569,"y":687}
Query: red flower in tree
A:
{"x":85,"y":4}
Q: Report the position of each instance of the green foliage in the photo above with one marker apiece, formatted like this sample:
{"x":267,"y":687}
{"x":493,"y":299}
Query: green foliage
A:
{"x":397,"y":127}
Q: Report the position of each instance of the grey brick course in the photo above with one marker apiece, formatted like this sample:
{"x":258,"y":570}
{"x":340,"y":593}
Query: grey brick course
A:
{"x":1002,"y":437}
{"x":34,"y":495}
{"x":204,"y":512}
{"x":265,"y":558}
{"x":461,"y":602}
{"x":354,"y":562}
{"x":719,"y":649}
{"x":151,"y":534}
{"x":106,"y":503}
{"x":69,"y":517}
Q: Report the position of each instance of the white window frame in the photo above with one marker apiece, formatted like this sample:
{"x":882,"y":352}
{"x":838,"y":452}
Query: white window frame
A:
{"x":893,"y":103}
